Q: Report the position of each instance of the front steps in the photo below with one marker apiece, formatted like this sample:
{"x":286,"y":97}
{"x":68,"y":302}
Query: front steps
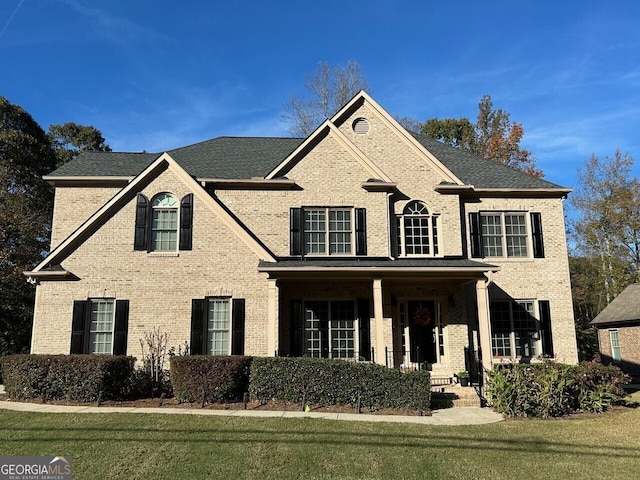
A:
{"x":453,"y":395}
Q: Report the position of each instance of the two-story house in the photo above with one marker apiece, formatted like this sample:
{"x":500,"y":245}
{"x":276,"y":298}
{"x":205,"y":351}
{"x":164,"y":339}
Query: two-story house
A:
{"x":362,"y":241}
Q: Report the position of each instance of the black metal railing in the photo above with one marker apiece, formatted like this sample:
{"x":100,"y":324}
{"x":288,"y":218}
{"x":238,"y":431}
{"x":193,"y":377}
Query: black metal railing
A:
{"x":473,"y":362}
{"x":405,"y":360}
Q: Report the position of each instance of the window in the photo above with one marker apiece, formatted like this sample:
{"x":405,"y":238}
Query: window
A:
{"x":217,"y":326}
{"x":328,"y":231}
{"x":218,"y":323}
{"x":615,"y":346}
{"x":514,"y":329}
{"x":330,"y":329}
{"x":163,"y":225}
{"x":417,"y":231}
{"x":100,"y":326}
{"x":506,"y":234}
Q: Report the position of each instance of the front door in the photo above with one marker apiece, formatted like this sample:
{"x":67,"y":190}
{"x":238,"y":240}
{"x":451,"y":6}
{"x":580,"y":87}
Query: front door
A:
{"x":422,"y":339}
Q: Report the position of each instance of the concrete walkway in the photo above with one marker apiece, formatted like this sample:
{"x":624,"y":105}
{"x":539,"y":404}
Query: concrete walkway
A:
{"x":447,"y":416}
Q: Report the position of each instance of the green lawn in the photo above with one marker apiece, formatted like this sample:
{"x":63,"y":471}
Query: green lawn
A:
{"x":141,"y":446}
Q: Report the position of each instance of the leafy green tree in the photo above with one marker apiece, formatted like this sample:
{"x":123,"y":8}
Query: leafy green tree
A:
{"x":69,"y":139}
{"x":328,"y":89}
{"x":605,"y":235}
{"x":25,"y":218}
{"x":493,"y":136}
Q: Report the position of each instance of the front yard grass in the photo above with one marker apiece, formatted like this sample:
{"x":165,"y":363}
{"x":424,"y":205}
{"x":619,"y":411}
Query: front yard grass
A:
{"x":142,"y":446}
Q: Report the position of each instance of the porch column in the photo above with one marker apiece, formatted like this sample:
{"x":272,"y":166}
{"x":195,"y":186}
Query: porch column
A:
{"x":378,"y":320}
{"x":484,"y":323}
{"x":272,"y":316}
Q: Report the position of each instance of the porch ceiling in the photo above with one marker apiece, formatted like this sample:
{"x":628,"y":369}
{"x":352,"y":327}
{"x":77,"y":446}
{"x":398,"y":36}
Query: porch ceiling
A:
{"x":441,"y":268}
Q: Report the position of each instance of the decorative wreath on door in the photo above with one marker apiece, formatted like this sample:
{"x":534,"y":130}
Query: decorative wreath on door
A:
{"x":422,"y":317}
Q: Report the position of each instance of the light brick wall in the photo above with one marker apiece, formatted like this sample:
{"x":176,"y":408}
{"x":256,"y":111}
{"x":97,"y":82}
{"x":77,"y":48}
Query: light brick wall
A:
{"x":159,"y":287}
{"x":538,"y":278}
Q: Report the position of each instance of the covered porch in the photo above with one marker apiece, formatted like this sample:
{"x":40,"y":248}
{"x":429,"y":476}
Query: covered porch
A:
{"x":406,"y":314}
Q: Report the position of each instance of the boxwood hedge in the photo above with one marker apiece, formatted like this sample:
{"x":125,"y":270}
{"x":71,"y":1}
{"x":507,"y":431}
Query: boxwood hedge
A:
{"x":331,"y":382}
{"x":67,"y":377}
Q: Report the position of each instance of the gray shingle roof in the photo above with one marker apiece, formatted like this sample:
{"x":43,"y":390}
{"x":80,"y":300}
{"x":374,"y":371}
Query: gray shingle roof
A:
{"x":625,"y":308}
{"x":247,"y":157}
{"x":480,"y":172}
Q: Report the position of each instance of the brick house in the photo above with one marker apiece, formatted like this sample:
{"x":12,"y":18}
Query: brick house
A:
{"x":362,"y":241}
{"x":618,"y":327}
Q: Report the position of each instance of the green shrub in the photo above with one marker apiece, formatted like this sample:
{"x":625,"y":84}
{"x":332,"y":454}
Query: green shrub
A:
{"x":552,"y":389}
{"x":333,"y":382}
{"x":67,"y":377}
{"x":221,"y":378}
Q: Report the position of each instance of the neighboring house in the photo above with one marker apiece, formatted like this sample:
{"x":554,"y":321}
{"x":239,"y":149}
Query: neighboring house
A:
{"x":618,"y":327}
{"x":362,"y":241}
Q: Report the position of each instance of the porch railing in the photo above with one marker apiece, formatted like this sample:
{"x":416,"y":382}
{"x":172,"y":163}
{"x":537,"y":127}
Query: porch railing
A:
{"x":405,"y":360}
{"x":473,"y":362}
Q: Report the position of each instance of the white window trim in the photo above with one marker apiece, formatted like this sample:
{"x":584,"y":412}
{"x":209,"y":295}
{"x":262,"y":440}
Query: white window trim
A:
{"x":528,"y":234}
{"x":356,"y":328}
{"x":90,"y":332}
{"x":327,"y":232}
{"x":512,"y":332}
{"x":229,"y":330}
{"x":152,"y":246}
{"x":402,"y":240}
{"x":615,"y":358}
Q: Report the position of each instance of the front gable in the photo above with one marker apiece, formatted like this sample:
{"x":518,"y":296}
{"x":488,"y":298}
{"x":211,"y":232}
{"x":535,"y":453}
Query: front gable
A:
{"x":164,"y":174}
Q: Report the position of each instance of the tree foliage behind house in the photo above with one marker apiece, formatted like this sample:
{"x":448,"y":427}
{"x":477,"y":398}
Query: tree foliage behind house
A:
{"x":494,"y":136}
{"x":605,"y":235}
{"x":26,"y":206}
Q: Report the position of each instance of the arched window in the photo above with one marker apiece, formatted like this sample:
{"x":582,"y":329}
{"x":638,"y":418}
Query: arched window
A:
{"x":417,"y":231}
{"x":164,"y":223}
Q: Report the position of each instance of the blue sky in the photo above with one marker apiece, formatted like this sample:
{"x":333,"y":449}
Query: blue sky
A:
{"x":158,"y":75}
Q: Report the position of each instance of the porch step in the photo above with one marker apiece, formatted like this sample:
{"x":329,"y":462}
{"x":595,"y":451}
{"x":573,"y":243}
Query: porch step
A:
{"x":448,"y":396}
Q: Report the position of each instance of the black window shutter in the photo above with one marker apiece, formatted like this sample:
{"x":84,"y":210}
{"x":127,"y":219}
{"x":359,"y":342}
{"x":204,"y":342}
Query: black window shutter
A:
{"x":296,"y":328}
{"x":364,"y":328}
{"x":237,"y":327}
{"x":142,"y":210}
{"x":78,"y":326}
{"x":186,"y":222}
{"x":545,"y":327}
{"x":121,"y":327}
{"x":198,"y":317}
{"x":295,"y":231}
{"x":536,"y":230}
{"x":361,"y":231}
{"x":476,"y":236}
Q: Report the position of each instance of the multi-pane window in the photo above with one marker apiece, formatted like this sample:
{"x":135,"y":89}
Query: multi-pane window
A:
{"x":504,"y":234}
{"x":330,"y":329}
{"x":164,"y":223}
{"x":101,"y":327}
{"x":328,"y":231}
{"x":417,"y":231}
{"x":514,"y":329}
{"x":615,"y":346}
{"x":218,"y":322}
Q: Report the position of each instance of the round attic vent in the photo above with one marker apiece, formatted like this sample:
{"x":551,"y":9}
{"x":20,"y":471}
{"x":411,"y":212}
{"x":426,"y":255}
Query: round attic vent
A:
{"x":361,"y":126}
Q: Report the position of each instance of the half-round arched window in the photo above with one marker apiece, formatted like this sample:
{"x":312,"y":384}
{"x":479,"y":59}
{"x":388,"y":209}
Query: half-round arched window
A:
{"x":164,"y":223}
{"x":417,"y":231}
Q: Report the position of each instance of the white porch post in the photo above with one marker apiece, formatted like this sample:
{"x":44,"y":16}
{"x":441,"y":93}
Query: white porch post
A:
{"x":378,"y":320}
{"x":272,"y":316}
{"x":484,"y":323}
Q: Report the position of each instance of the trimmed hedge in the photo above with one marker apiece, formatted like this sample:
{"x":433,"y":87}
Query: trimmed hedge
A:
{"x":221,"y":378}
{"x":67,"y":377}
{"x":332,"y":382}
{"x":552,"y":389}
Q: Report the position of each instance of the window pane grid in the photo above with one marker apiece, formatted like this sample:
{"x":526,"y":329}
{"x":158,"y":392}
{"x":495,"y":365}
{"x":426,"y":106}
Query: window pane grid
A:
{"x":615,"y":345}
{"x":330,"y":329}
{"x":218,"y":320}
{"x":332,"y":225}
{"x":516,"y":235}
{"x":513,"y":329}
{"x":342,"y":329}
{"x":417,"y":231}
{"x":492,"y":235}
{"x":164,"y":229}
{"x":101,"y":328}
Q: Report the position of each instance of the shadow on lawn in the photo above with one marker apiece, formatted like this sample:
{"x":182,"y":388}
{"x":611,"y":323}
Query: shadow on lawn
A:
{"x":433,"y":439}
